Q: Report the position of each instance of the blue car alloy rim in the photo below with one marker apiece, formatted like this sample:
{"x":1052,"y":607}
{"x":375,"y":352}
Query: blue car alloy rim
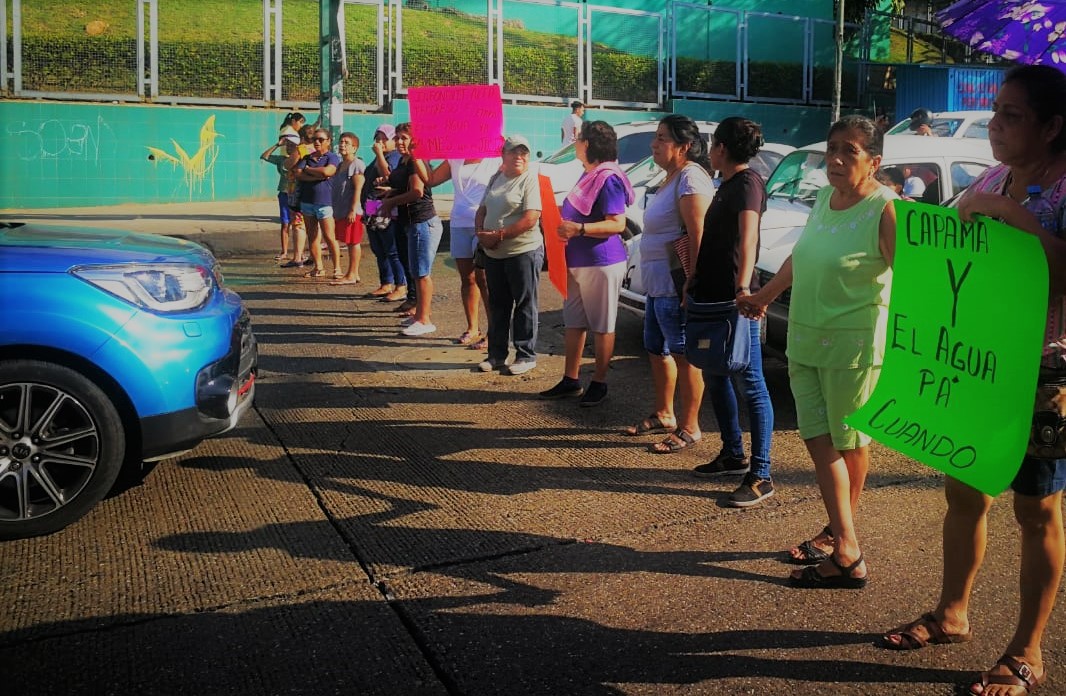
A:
{"x":49,"y":450}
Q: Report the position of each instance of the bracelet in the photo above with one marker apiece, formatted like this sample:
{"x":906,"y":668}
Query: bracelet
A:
{"x":582,"y":232}
{"x":742,"y":288}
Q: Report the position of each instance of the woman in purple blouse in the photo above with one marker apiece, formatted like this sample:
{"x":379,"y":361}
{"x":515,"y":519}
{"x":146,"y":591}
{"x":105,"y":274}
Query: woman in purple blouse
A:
{"x":593,"y":218}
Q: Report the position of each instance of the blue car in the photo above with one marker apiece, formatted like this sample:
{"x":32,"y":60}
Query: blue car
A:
{"x":115,"y":348}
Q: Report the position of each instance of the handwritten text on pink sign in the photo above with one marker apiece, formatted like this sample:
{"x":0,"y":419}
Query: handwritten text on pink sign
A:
{"x":457,"y":121}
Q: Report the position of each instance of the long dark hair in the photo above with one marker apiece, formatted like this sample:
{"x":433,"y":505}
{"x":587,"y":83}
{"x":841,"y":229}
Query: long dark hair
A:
{"x":684,"y":131}
{"x":742,"y":138}
{"x":292,"y":118}
{"x":1045,"y":91}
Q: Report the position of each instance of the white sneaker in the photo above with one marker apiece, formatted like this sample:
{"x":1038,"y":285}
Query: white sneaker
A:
{"x":522,"y":367}
{"x":407,"y":321}
{"x":417,"y":328}
{"x":488,"y":365}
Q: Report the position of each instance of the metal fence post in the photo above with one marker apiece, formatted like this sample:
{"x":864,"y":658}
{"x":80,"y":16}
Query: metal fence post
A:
{"x":272,"y":10}
{"x":16,"y":36}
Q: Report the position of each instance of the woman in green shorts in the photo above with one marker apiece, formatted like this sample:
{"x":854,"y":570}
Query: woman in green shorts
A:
{"x":840,"y":274}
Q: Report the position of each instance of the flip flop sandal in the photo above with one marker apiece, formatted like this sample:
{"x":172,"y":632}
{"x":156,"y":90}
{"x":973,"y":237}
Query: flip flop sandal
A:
{"x":480,"y":344}
{"x":811,"y":579}
{"x":1021,"y":675}
{"x":314,"y":274}
{"x":811,"y":554}
{"x":675,"y":442}
{"x":652,"y":425}
{"x":908,"y":638}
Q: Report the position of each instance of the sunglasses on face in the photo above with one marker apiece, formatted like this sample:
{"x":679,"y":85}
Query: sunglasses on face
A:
{"x":319,"y":140}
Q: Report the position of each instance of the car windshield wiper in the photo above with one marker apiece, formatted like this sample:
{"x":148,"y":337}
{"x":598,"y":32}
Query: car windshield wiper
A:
{"x":786,"y":184}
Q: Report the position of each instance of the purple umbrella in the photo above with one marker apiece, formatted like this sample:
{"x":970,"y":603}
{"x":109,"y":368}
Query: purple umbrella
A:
{"x":1026,"y":31}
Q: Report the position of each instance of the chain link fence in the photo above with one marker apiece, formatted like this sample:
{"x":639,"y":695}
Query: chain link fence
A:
{"x":266,"y":52}
{"x":86,"y":56}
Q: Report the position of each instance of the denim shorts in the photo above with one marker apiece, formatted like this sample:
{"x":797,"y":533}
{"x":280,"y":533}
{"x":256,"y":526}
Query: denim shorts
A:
{"x":320,"y":212}
{"x":1040,"y":478}
{"x":462,"y":242}
{"x":664,"y":326}
{"x":284,"y":212}
{"x":423,"y":238}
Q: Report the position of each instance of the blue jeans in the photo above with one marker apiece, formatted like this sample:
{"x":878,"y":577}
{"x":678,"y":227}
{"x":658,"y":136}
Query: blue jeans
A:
{"x":723,"y":397}
{"x":423,"y":238}
{"x":513,"y":286}
{"x":400,"y":238}
{"x":383,"y":244}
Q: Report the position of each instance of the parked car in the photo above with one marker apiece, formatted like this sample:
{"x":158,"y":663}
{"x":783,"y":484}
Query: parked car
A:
{"x":951,"y":124}
{"x":646,"y":177}
{"x":946,"y":166}
{"x":115,"y":347}
{"x":634,"y":146}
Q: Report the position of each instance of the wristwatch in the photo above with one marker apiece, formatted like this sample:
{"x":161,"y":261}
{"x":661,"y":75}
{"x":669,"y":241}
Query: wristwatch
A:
{"x":582,"y":232}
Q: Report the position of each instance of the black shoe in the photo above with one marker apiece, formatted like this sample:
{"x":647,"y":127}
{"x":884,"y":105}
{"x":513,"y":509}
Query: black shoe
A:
{"x":753,"y":491}
{"x":722,"y":465}
{"x":565,"y":387}
{"x":595,"y":394}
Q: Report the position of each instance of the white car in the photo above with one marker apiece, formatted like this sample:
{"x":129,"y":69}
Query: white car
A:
{"x":951,"y":124}
{"x":634,"y":146}
{"x":946,"y":167}
{"x":646,"y":177}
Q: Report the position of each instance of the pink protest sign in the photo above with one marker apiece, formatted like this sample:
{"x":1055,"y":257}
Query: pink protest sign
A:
{"x":457,"y":121}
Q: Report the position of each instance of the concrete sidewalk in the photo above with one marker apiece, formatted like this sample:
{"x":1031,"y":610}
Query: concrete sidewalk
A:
{"x":388,"y":520}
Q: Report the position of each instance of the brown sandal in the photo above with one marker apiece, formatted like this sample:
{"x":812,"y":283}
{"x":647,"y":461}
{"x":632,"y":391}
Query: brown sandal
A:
{"x":1021,"y":675}
{"x":675,"y":442}
{"x":907,"y":637}
{"x":652,"y":425}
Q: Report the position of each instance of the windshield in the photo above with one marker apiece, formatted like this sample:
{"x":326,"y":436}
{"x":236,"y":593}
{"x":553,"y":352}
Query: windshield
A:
{"x":631,"y":148}
{"x":943,"y":127}
{"x":563,"y":156}
{"x":643,"y":172}
{"x":799,"y":176}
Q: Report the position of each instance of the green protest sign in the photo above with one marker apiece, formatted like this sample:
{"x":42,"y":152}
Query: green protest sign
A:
{"x":962,"y":350}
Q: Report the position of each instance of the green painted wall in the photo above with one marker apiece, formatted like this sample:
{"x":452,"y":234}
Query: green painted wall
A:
{"x":61,"y":154}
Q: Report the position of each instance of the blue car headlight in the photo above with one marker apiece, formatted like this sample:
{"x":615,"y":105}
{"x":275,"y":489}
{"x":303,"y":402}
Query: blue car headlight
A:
{"x":157,"y":287}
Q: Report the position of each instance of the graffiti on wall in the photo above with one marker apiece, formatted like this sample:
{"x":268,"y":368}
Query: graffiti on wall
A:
{"x":55,"y":139}
{"x":198,"y":168}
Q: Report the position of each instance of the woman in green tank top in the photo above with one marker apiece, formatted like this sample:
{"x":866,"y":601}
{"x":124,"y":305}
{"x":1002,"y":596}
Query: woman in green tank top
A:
{"x":840,"y":274}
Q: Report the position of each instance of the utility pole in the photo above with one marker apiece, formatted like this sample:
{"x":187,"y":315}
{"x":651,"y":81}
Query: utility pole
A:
{"x":838,"y":67}
{"x":333,"y":66}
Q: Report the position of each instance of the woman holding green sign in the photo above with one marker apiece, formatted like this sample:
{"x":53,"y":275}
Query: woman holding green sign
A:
{"x":1027,"y":191}
{"x":840,"y":273}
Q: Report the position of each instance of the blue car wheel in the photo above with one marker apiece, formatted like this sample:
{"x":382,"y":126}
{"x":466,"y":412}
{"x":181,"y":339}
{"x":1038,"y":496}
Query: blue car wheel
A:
{"x":62,"y":445}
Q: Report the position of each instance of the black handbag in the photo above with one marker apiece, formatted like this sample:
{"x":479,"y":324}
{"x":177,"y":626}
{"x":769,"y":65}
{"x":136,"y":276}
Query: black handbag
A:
{"x":1047,"y":435}
{"x":717,"y":337}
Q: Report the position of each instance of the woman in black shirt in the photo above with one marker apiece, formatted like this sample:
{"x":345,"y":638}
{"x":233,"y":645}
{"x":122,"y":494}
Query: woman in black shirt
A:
{"x":725,"y":270}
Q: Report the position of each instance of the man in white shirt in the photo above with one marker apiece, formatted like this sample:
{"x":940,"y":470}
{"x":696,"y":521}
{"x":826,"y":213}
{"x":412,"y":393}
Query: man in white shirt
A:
{"x":572,"y":122}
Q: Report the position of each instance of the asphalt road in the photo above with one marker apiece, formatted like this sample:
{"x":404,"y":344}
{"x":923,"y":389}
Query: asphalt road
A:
{"x":389,"y":521}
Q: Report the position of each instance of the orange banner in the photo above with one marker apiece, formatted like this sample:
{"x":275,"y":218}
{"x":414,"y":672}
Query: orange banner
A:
{"x":554,"y":248}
